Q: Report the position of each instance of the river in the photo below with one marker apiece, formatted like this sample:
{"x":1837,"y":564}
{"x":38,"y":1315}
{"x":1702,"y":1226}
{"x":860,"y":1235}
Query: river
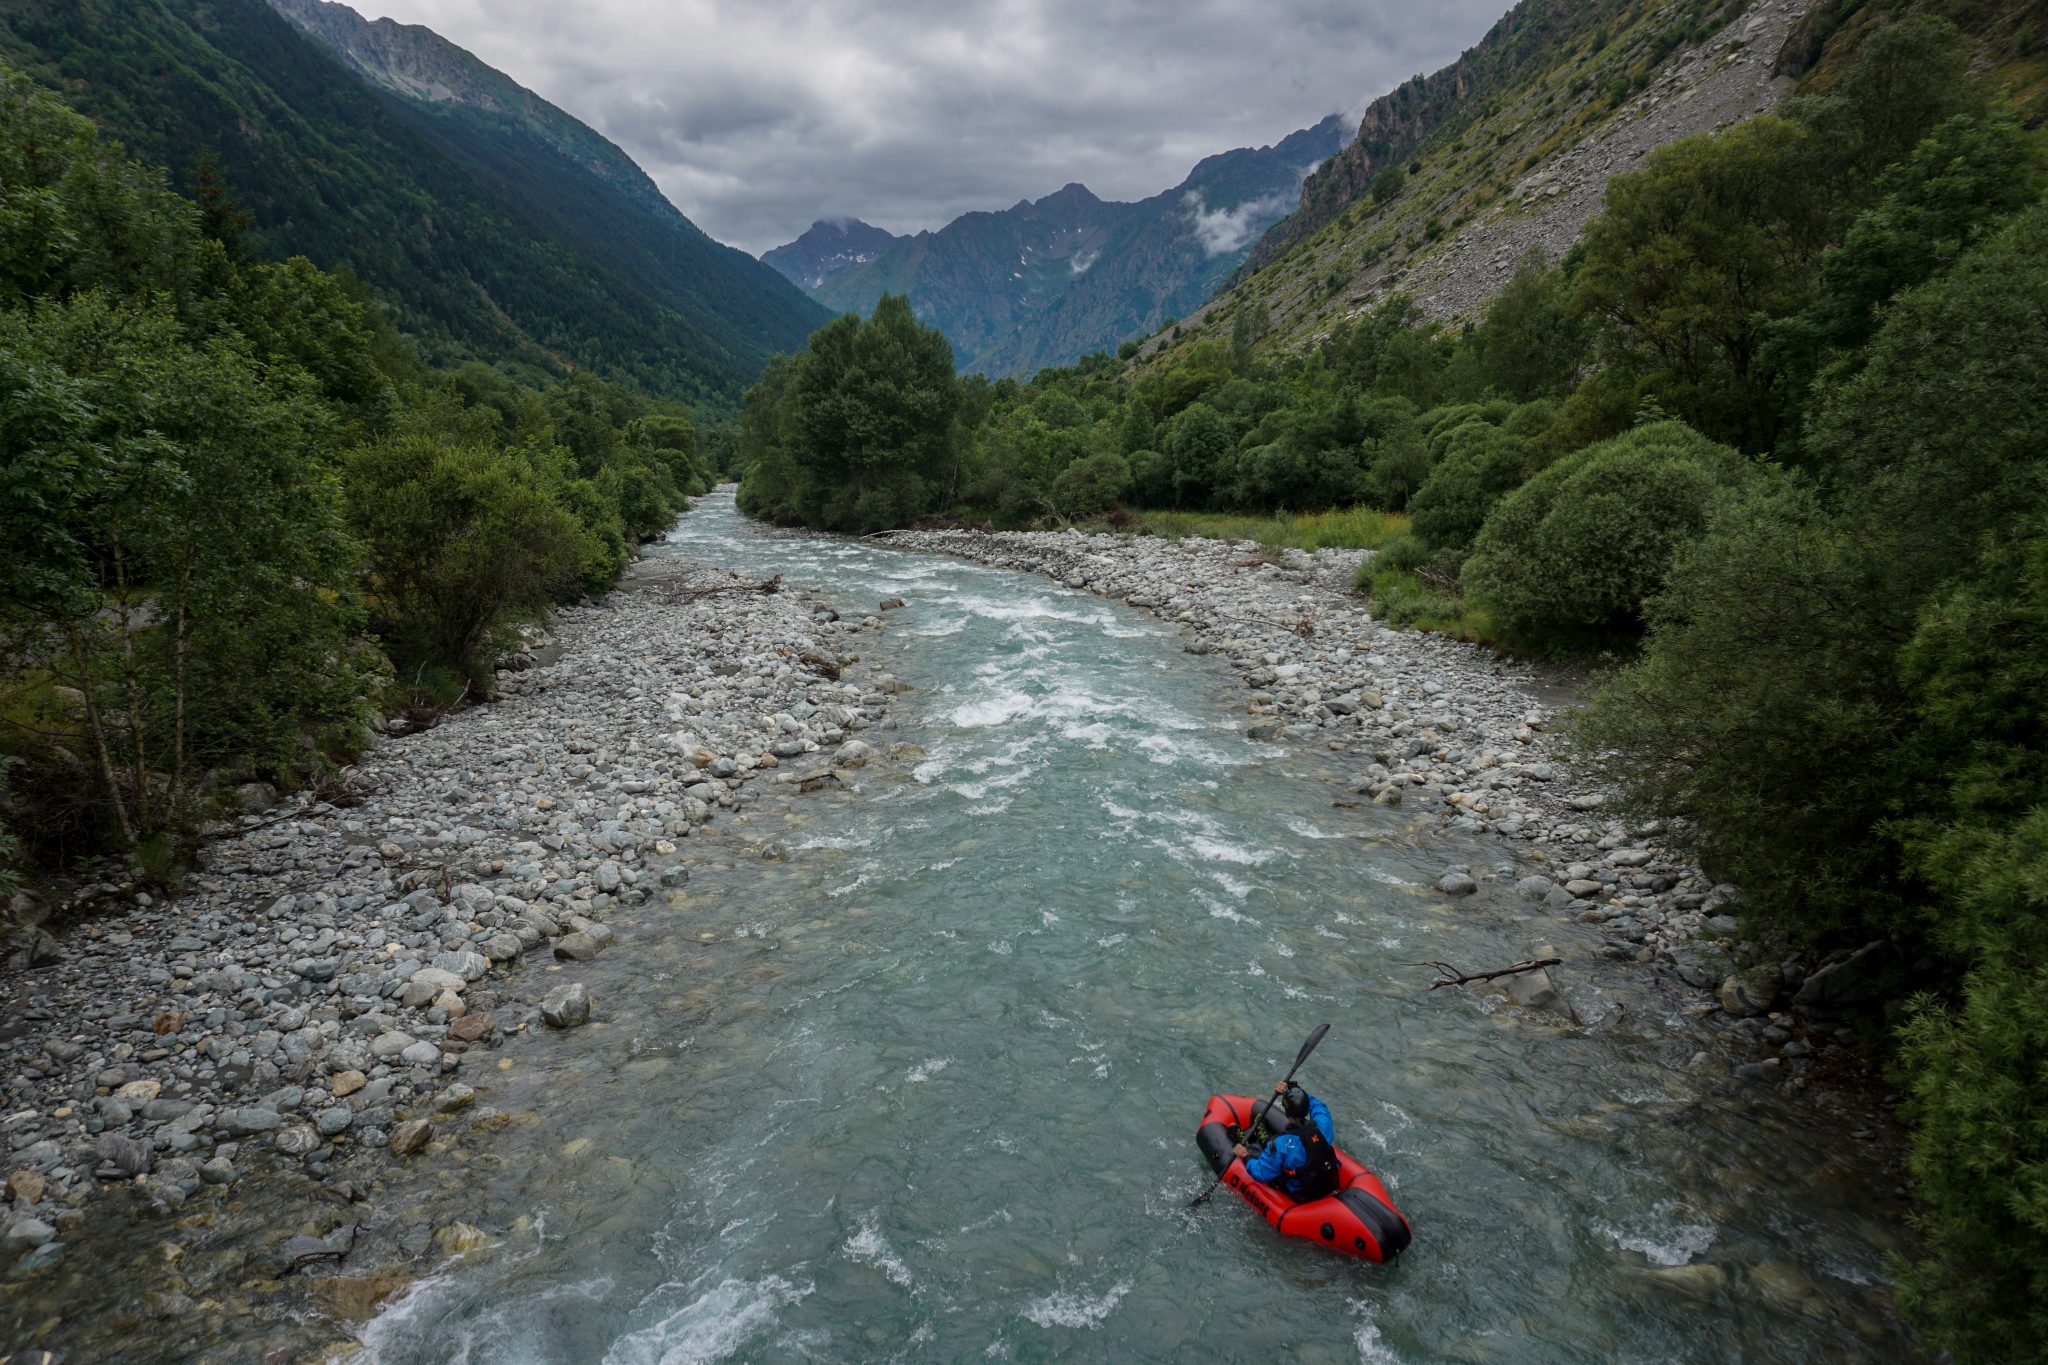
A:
{"x":924,"y":1087}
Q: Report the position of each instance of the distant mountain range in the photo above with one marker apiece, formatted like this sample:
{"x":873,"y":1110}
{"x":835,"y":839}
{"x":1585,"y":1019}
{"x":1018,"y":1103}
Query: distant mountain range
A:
{"x":830,"y":246}
{"x":493,"y":225}
{"x":1045,"y":282}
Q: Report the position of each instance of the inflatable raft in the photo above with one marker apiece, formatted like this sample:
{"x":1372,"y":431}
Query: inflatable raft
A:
{"x":1358,"y":1219}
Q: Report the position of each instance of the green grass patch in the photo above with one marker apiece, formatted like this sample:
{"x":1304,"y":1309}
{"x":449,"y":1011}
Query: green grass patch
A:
{"x":1357,"y":528}
{"x":1402,"y":599}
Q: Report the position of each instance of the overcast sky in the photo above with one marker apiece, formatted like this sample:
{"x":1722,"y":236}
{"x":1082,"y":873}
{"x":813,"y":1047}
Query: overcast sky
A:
{"x":758,"y":116}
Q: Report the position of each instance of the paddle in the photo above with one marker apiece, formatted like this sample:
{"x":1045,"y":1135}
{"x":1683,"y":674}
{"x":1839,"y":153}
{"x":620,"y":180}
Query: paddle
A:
{"x":1302,"y":1056}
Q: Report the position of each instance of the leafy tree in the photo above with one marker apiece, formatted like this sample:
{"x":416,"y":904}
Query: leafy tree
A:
{"x":1693,"y":254}
{"x":1481,"y":464}
{"x":1978,"y":669}
{"x":1968,"y":176}
{"x":1576,"y":552}
{"x":462,"y":539}
{"x":1198,"y":450}
{"x":1531,"y":344}
{"x":866,"y":423}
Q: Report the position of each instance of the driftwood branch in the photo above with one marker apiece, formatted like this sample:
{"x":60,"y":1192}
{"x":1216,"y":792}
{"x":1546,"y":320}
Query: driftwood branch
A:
{"x":1447,"y":975}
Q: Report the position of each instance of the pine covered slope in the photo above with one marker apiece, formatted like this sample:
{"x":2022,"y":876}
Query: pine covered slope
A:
{"x":1045,"y":282}
{"x":499,"y":229}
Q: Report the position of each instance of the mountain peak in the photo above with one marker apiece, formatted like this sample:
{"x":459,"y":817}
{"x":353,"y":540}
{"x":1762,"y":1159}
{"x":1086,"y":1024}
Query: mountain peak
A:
{"x":827,"y":247}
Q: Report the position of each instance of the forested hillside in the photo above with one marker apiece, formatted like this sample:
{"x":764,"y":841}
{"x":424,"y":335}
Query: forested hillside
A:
{"x":493,"y":231}
{"x":239,"y":520}
{"x":1772,"y":435}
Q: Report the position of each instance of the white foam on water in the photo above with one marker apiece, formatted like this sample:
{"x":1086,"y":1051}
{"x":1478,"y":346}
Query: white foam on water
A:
{"x":1308,"y":831}
{"x":836,"y":841}
{"x":856,"y":884}
{"x":1663,"y":1237}
{"x":1096,"y":735}
{"x":1282,"y":949}
{"x":433,"y":1306}
{"x":1000,"y":947}
{"x":999,"y":1216}
{"x":925,"y":1070}
{"x":1110,"y":940}
{"x":995,"y":710}
{"x":1325,"y":931}
{"x":1219,"y":851}
{"x":1367,"y":1338}
{"x":1231,"y":884}
{"x":713,"y":1326}
{"x":868,"y":1246}
{"x":1080,"y":1311}
{"x":940,"y":629}
{"x":1048,"y":918}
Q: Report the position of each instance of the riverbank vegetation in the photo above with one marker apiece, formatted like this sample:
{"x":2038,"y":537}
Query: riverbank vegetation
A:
{"x":238,"y":517}
{"x":1772,"y":434}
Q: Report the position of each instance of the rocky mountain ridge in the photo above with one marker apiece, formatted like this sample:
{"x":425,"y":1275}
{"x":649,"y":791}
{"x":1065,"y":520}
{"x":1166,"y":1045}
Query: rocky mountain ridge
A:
{"x":1046,"y":281}
{"x":828,"y":247}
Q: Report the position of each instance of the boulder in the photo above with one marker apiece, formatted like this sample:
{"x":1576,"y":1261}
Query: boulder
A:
{"x":566,"y":1006}
{"x":1853,"y":981}
{"x":410,"y":1137}
{"x":1752,"y":991}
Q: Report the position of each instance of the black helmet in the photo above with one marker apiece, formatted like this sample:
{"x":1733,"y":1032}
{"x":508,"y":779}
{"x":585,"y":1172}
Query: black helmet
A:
{"x":1295,"y":1102}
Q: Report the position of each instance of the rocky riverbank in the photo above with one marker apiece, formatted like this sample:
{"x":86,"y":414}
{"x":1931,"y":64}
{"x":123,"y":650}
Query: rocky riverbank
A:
{"x":1457,"y":734}
{"x":338,"y":970}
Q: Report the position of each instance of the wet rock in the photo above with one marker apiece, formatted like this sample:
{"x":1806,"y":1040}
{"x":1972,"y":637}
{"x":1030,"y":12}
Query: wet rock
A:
{"x":457,"y":1238}
{"x":348,"y":1082}
{"x":246,"y":1122}
{"x":333,"y":1121}
{"x":1752,"y":991}
{"x":23,"y":1233}
{"x":410,"y":1137}
{"x":578,"y":947}
{"x":1855,"y":980}
{"x":422,"y":1053}
{"x":25,"y":1187}
{"x":1692,"y":1281}
{"x":1456,"y":881}
{"x":566,"y":1006}
{"x":472,"y":1028}
{"x":890,"y":604}
{"x":454,"y":1097}
{"x":297,"y":1139}
{"x":218,"y":1171}
{"x":125,"y":1155}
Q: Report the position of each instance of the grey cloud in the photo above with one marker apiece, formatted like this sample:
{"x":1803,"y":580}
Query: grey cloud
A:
{"x":758,"y":117}
{"x":1227,"y":229}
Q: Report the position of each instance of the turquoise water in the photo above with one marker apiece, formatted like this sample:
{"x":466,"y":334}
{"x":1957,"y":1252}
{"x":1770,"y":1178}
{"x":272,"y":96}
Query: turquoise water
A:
{"x":925,"y":1089}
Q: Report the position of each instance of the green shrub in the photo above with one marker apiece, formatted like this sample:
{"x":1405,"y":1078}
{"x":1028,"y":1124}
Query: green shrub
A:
{"x":1576,"y":552}
{"x":1481,"y":464}
{"x":1091,"y":486}
{"x":1977,"y":669}
{"x":463,"y":542}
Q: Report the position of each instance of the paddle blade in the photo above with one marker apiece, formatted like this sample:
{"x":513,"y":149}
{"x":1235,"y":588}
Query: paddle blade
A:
{"x":1308,"y":1047}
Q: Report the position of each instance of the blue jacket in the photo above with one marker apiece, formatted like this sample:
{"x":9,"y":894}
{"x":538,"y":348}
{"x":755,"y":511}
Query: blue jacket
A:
{"x":1286,"y":1150}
